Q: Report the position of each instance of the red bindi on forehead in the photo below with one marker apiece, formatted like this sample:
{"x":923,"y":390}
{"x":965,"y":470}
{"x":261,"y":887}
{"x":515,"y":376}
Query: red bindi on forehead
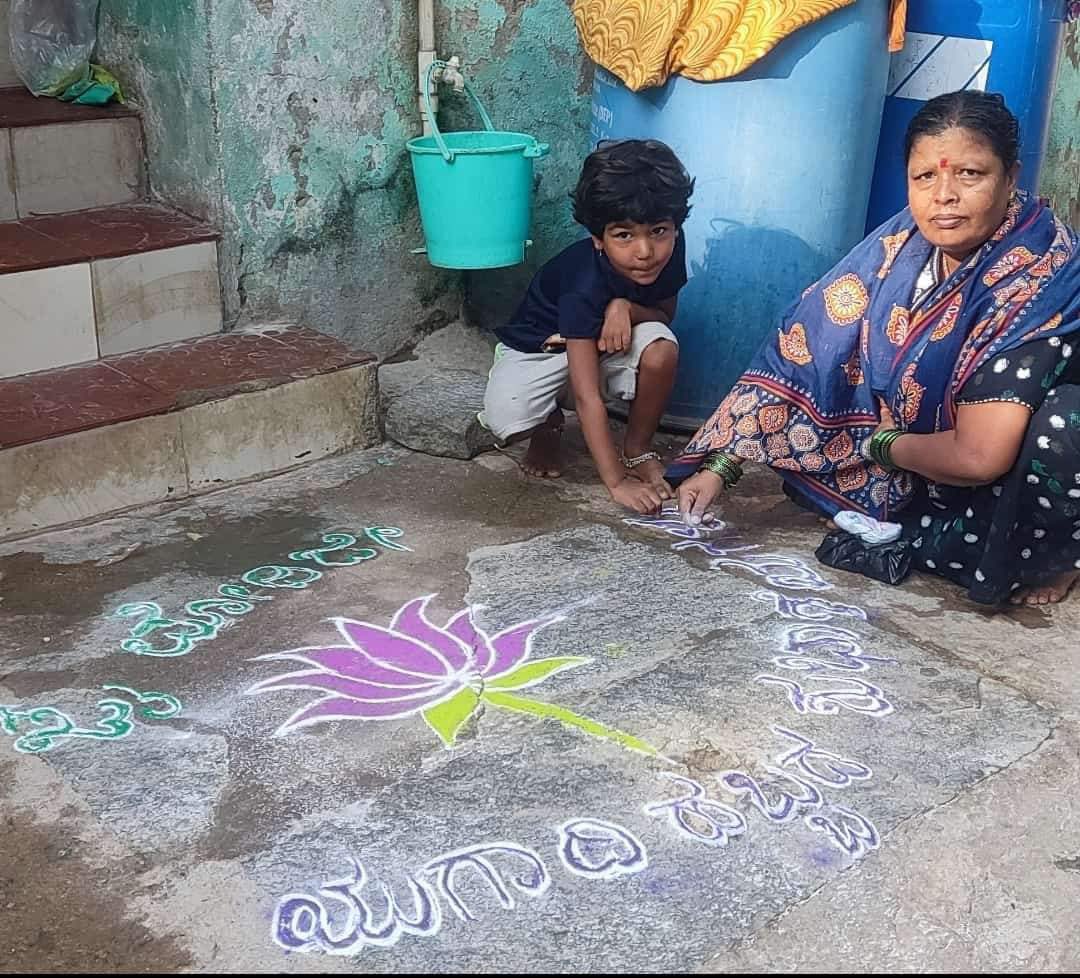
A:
{"x":943,"y":163}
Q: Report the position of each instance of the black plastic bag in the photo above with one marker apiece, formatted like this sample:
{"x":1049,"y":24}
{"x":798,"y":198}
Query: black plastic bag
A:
{"x":889,"y":563}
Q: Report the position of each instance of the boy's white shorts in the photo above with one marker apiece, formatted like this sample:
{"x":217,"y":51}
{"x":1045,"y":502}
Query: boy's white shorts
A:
{"x":524,"y":388}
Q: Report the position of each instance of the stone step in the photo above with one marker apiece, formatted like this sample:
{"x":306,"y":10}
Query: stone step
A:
{"x":57,"y":157}
{"x":74,"y":287}
{"x":82,"y":442}
{"x":430,"y":401}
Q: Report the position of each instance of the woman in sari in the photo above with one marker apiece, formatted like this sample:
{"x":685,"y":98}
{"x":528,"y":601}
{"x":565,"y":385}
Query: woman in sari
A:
{"x":929,"y":379}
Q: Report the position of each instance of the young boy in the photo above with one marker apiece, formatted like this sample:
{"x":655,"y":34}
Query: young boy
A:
{"x":594,"y":325}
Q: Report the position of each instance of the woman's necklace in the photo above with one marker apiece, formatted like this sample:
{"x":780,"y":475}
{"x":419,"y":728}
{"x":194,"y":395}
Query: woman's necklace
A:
{"x":929,"y":279}
{"x":941,"y":272}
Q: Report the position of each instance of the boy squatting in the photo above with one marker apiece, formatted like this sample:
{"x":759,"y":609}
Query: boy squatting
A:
{"x":594,"y":325}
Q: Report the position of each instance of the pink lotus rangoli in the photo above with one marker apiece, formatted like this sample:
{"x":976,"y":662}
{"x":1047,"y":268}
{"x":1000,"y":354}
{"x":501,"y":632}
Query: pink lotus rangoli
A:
{"x":444,"y":674}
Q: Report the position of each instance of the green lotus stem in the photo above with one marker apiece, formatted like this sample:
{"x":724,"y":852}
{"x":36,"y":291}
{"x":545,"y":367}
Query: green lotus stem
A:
{"x":534,"y":708}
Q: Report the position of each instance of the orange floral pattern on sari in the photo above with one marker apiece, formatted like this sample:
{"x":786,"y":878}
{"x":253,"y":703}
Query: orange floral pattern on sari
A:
{"x":846,"y":300}
{"x":793,"y":345}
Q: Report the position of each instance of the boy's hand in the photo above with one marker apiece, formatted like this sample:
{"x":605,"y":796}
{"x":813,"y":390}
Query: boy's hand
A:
{"x":638,"y":496}
{"x":615,"y":336}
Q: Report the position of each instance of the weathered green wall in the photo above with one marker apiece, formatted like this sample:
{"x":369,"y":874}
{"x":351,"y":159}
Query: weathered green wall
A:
{"x":162,"y":54}
{"x":527,"y":65}
{"x":316,"y":102}
{"x":285,"y":121}
{"x":1061,"y":173}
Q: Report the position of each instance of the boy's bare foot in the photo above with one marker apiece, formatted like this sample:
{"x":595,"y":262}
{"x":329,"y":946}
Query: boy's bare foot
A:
{"x":544,"y":457}
{"x":651,"y":472}
{"x":1052,"y":593}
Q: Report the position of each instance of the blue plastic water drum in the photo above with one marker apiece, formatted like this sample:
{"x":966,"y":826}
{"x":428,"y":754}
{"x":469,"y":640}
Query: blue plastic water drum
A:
{"x":783,"y":155}
{"x":1006,"y":46}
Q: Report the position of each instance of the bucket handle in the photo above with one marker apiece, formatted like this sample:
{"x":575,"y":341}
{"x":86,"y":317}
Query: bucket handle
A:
{"x":447,"y":152}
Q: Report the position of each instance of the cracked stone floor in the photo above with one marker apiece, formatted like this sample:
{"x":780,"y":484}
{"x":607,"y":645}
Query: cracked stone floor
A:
{"x":597,"y":745}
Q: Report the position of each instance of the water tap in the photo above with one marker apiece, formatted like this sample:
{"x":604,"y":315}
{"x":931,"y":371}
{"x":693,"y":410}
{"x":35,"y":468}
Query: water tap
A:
{"x":451,"y":74}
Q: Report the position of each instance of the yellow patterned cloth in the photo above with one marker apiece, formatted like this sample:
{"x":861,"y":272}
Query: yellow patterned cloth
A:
{"x":644,"y":42}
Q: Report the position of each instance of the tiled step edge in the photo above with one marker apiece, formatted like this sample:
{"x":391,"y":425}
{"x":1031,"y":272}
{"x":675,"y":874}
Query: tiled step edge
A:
{"x":19,"y":109}
{"x":54,"y":169}
{"x":103,"y":471}
{"x":77,"y":314}
{"x":107,"y":281}
{"x":101,"y":233}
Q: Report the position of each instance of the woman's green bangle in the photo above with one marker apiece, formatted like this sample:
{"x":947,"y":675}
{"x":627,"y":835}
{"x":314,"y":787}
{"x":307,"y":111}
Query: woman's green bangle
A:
{"x":726,"y":466}
{"x":880,"y":448}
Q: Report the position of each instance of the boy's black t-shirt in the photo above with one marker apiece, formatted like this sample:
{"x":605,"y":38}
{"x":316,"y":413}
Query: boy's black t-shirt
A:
{"x":570,"y":295}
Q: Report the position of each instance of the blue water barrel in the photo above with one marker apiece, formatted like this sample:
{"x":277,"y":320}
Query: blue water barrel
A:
{"x":783,"y":155}
{"x":1006,"y":46}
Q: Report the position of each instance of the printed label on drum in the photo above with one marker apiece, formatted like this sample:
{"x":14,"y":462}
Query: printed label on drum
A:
{"x":932,"y":64}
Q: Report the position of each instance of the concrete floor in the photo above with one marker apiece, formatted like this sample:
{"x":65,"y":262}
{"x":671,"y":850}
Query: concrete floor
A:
{"x":742,"y":761}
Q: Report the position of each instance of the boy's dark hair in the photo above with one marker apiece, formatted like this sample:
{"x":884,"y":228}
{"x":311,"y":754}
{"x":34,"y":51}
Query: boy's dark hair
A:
{"x":637,"y":180}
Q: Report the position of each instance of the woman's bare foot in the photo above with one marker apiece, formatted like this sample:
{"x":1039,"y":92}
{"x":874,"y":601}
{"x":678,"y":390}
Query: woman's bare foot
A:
{"x":1053,"y":593}
{"x":544,"y":457}
{"x":651,"y":472}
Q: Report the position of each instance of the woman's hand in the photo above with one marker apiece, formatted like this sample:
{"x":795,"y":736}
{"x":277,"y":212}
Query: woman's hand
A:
{"x":697,"y":494}
{"x":887,"y":420}
{"x":982,"y":448}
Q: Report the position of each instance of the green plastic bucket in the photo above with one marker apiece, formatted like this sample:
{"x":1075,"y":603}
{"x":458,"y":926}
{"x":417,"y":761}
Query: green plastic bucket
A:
{"x":475,"y":192}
